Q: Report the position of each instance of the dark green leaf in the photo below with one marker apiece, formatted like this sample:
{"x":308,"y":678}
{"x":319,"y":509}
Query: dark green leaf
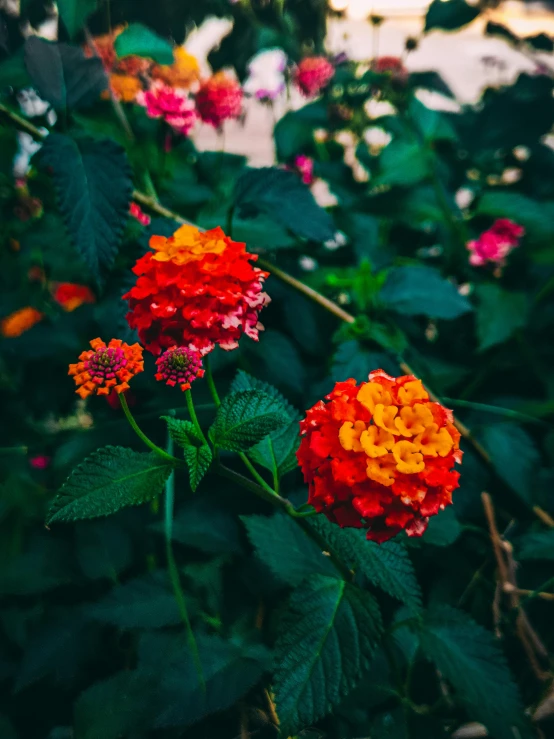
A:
{"x":282,"y":196}
{"x":540,"y":42}
{"x":196,"y":452}
{"x":387,"y":565}
{"x":7,"y":730}
{"x":13,"y":72}
{"x":530,"y":213}
{"x":277,"y":360}
{"x":93,"y":186}
{"x":431,"y":80}
{"x":142,"y":41}
{"x":514,"y":455}
{"x":402,"y":163}
{"x":326,"y":639}
{"x":417,"y":291}
{"x":537,"y":545}
{"x":443,"y":529}
{"x":499,"y":314}
{"x":103,"y":549}
{"x":353,"y":360}
{"x":74,"y":13}
{"x":470,"y":659}
{"x":41,"y":568}
{"x":244,"y":418}
{"x":110,"y":479}
{"x":147,"y":602}
{"x":451,"y":15}
{"x":62,"y":74}
{"x":288,"y":552}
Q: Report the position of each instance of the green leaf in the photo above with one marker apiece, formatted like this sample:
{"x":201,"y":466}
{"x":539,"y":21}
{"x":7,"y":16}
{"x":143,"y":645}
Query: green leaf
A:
{"x":537,"y":545}
{"x":387,"y":565}
{"x":283,"y":197}
{"x":514,"y":456}
{"x":499,"y":314}
{"x":196,"y":452}
{"x":469,"y":658}
{"x":432,"y":124}
{"x":443,"y":529}
{"x":13,"y":72}
{"x":277,"y":452}
{"x":325,"y":642}
{"x":74,"y":13}
{"x":289,"y":553}
{"x":277,"y":360}
{"x":103,"y":549}
{"x":353,"y":360}
{"x":245,"y":418}
{"x":540,"y":42}
{"x":451,"y":15}
{"x":294,"y":132}
{"x":62,"y":75}
{"x":402,"y":163}
{"x":110,"y":479}
{"x":7,"y":730}
{"x":93,"y":186}
{"x":142,"y":41}
{"x":147,"y":602}
{"x":530,"y":213}
{"x":417,"y":291}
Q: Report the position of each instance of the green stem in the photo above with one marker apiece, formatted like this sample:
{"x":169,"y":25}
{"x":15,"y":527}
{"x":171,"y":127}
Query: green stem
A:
{"x":536,"y":593}
{"x":192,"y":414}
{"x":507,"y":412}
{"x":142,"y":436}
{"x":174,"y":572}
{"x":210,"y":380}
{"x":230,"y":214}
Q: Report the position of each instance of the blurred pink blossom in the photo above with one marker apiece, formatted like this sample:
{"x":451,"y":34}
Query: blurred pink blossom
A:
{"x":40,"y":462}
{"x":496,"y":243}
{"x":305,"y":167}
{"x":171,"y":104}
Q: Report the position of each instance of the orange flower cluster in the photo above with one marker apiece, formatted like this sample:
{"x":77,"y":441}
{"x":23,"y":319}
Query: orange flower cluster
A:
{"x":196,"y":289}
{"x":20,"y":321}
{"x":106,"y":367}
{"x":184,"y":72}
{"x":380,"y":455}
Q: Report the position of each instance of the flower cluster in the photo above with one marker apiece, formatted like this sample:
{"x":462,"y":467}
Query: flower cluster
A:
{"x":305,"y":167}
{"x":380,"y":455}
{"x":496,"y":243}
{"x":71,"y":296}
{"x":136,"y":212}
{"x":179,"y":366}
{"x":171,"y":104}
{"x":106,"y":367}
{"x":219,"y":99}
{"x":313,"y":74}
{"x":20,"y":321}
{"x":196,"y":289}
{"x":390,"y":65}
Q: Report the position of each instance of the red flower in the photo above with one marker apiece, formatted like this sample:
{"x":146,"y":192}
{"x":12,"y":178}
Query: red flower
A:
{"x":392,"y":65}
{"x":174,"y":106}
{"x":219,"y":99}
{"x":380,"y":456}
{"x":313,"y":74}
{"x":179,"y":366}
{"x":496,"y":243}
{"x":136,"y":211}
{"x":71,"y":296}
{"x":196,"y":289}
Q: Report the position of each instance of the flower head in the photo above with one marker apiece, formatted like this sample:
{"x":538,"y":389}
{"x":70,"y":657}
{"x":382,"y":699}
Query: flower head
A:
{"x":174,"y":106}
{"x":136,"y":212}
{"x":106,"y":367}
{"x":219,"y":99}
{"x":125,"y":87}
{"x":20,"y":321}
{"x":313,"y":74}
{"x":71,"y":296}
{"x":179,"y":365}
{"x":392,"y":65}
{"x":40,"y":462}
{"x":184,"y":72}
{"x":196,"y":289}
{"x":496,"y":243}
{"x":305,"y":167}
{"x":380,"y":455}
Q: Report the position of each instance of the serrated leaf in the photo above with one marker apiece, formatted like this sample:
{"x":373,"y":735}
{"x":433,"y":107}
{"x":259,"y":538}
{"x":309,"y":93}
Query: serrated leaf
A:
{"x":110,"y":479}
{"x":470,"y":659}
{"x":244,"y":418}
{"x":62,"y":75}
{"x":146,"y":602}
{"x":537,"y":545}
{"x":142,"y":41}
{"x":283,"y":196}
{"x":196,"y":452}
{"x":74,"y":13}
{"x":387,"y":565}
{"x":451,"y":15}
{"x":326,"y":639}
{"x":421,"y":291}
{"x":93,"y":187}
{"x":514,"y":456}
{"x":289,"y":553}
{"x":499,"y":314}
{"x":277,"y":452}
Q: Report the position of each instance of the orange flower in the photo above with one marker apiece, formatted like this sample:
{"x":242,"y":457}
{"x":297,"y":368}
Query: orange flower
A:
{"x":17,"y":323}
{"x":184,"y":71}
{"x":106,"y":367}
{"x":71,"y":296}
{"x":125,"y":87}
{"x":380,"y":455}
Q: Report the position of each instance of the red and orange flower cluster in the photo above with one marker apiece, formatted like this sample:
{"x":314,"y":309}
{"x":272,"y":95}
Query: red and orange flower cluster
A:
{"x":106,"y":367}
{"x":196,"y":289}
{"x":380,"y":455}
{"x":313,"y":74}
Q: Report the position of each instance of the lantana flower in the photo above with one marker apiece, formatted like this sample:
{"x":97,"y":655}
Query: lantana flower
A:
{"x":184,"y":72}
{"x":106,"y":367}
{"x":196,"y":289}
{"x":136,"y":212}
{"x":313,"y":74}
{"x":219,"y":99}
{"x":71,"y":296}
{"x":20,"y":321}
{"x":173,"y":105}
{"x":305,"y":167}
{"x":380,"y":455}
{"x":496,"y":243}
{"x":180,"y":366}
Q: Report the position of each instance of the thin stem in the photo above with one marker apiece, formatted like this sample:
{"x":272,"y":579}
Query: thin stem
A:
{"x":256,"y":475}
{"x":540,"y":592}
{"x":211,"y":384}
{"x":142,"y":436}
{"x":192,"y":414}
{"x":174,"y":572}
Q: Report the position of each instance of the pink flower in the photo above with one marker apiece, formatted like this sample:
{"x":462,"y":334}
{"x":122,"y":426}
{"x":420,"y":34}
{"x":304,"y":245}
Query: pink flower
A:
{"x":136,"y":211}
{"x":219,"y":99}
{"x":312,"y":75}
{"x":495,"y":244}
{"x":40,"y":462}
{"x":305,"y":167}
{"x":173,"y":105}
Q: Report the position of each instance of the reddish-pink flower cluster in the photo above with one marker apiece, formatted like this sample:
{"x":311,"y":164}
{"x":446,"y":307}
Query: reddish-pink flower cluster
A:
{"x":171,"y":104}
{"x":136,"y":212}
{"x":179,"y":365}
{"x":313,"y":74}
{"x":219,"y":99}
{"x":305,"y":167}
{"x":496,"y":243}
